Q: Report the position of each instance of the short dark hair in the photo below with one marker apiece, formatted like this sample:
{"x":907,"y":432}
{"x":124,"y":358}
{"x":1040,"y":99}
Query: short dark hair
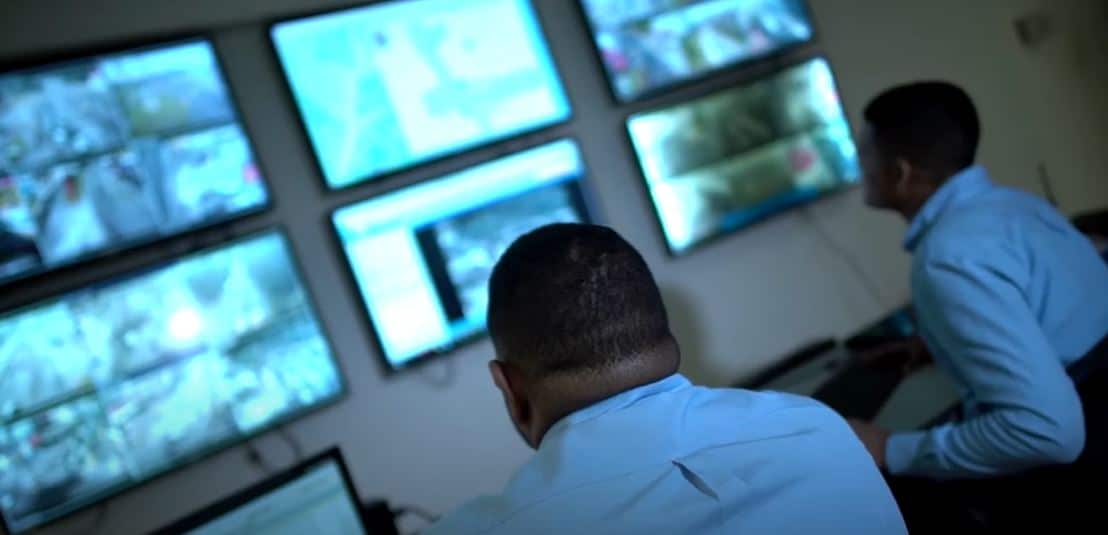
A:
{"x":933,"y":125}
{"x":570,"y":298}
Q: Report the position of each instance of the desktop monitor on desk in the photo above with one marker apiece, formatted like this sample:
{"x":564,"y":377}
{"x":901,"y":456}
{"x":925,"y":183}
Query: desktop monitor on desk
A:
{"x":315,"y":497}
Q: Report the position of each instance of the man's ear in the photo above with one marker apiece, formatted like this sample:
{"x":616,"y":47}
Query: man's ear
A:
{"x":904,"y":171}
{"x":510,"y":383}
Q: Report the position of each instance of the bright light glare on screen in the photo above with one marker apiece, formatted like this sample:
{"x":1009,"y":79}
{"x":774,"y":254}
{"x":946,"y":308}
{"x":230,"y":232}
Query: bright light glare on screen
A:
{"x":185,"y":325}
{"x":407,"y":81}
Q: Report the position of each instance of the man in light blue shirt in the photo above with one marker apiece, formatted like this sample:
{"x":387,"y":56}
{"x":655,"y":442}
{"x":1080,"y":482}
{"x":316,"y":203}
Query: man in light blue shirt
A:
{"x":588,"y":370}
{"x":1007,"y":293}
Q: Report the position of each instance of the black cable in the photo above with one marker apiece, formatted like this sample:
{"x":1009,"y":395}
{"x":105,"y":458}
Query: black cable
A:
{"x":417,"y":511}
{"x":255,"y":457}
{"x":448,"y":375}
{"x":846,"y":257}
{"x":98,"y":521}
{"x":293,"y":443}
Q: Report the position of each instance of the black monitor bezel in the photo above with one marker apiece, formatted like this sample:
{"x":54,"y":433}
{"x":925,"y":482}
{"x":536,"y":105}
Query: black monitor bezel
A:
{"x":391,"y":174}
{"x":594,"y":215}
{"x":204,"y":453}
{"x":57,"y":60}
{"x":774,"y":55}
{"x":722,"y":233}
{"x":244,"y":496}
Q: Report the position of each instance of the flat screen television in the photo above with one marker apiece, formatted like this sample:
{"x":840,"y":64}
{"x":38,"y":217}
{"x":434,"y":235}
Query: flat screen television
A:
{"x":111,"y":151}
{"x":393,"y":84}
{"x":649,"y":45}
{"x":111,"y":385}
{"x":422,"y":256}
{"x":726,"y":160}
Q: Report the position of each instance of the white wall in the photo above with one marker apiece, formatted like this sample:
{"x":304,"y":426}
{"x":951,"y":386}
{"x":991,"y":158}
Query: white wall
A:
{"x":438,"y":435}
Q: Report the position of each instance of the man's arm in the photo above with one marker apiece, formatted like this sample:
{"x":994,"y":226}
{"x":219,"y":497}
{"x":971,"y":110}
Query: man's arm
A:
{"x":976,"y":315}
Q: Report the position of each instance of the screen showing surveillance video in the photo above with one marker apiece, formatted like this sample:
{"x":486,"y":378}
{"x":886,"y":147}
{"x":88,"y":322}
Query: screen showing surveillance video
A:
{"x":646,"y":45}
{"x":112,"y":151}
{"x":422,"y":256}
{"x":393,"y":84}
{"x":724,"y":161}
{"x":111,"y":385}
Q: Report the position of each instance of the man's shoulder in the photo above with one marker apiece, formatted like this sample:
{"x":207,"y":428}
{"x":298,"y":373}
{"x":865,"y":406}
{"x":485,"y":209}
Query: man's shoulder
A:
{"x":757,"y":413}
{"x":729,"y":431}
{"x":758,"y":401}
{"x":761,"y":400}
{"x":994,"y":221}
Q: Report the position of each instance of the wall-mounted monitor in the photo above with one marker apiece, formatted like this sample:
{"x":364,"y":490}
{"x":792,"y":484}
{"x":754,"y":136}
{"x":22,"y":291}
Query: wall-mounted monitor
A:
{"x":422,"y":256}
{"x":109,"y":386}
{"x":393,"y":84}
{"x":724,"y":161}
{"x":649,"y":45}
{"x":110,"y":151}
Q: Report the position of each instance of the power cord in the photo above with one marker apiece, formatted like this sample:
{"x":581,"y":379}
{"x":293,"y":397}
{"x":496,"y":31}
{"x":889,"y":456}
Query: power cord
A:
{"x":416,"y":511}
{"x":293,"y":443}
{"x":447,"y":376}
{"x":849,"y":259}
{"x":98,"y":520}
{"x":381,"y":518}
{"x":255,"y":458}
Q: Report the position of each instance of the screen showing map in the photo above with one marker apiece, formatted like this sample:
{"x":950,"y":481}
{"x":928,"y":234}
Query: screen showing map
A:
{"x":724,"y":161}
{"x":386,"y":86}
{"x":647,"y":45}
{"x":111,"y":151}
{"x":422,"y":256}
{"x":111,"y":385}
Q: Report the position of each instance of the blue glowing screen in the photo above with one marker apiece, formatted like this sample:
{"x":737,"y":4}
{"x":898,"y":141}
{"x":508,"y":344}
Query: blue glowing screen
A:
{"x":647,"y":45}
{"x":108,"y":386}
{"x":422,"y":256}
{"x":729,"y":159}
{"x":393,"y":84}
{"x":110,"y":151}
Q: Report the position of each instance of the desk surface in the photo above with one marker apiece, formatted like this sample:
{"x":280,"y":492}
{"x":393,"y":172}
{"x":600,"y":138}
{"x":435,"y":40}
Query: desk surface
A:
{"x":915,"y":401}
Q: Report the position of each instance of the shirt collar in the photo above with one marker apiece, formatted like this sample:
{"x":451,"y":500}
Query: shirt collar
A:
{"x":964,"y":185}
{"x":617,"y":402}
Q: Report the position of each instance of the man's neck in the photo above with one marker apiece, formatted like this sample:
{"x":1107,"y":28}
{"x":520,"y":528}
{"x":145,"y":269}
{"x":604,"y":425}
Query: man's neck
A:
{"x":567,"y":394}
{"x":910,"y":209}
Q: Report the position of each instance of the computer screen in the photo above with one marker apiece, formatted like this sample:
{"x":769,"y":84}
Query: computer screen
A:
{"x":646,"y":45}
{"x":393,"y":84}
{"x":108,"y":386}
{"x":114,"y":150}
{"x":724,"y":161}
{"x":422,"y":256}
{"x":313,"y":499}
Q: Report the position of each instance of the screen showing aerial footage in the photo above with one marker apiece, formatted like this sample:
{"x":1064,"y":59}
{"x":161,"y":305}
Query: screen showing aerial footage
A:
{"x":109,"y":386}
{"x":393,"y":84}
{"x":646,"y":45}
{"x":719,"y":163}
{"x":422,"y":256}
{"x":111,"y":151}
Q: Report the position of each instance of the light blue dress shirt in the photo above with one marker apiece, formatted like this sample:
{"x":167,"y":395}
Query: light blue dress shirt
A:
{"x":673,"y":458}
{"x":1007,"y":295}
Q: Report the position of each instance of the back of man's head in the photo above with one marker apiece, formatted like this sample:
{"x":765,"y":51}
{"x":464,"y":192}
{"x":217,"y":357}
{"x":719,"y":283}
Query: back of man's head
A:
{"x":932,"y":125}
{"x":578,"y":301}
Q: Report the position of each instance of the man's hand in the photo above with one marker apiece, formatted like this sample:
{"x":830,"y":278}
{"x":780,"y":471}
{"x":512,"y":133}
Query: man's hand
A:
{"x":873,"y":437}
{"x":909,"y":355}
